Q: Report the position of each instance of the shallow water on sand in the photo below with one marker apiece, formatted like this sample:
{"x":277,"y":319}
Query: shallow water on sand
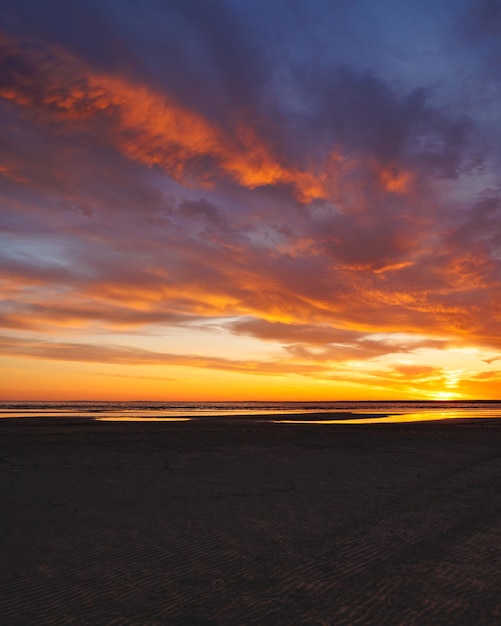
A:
{"x":286,"y":412}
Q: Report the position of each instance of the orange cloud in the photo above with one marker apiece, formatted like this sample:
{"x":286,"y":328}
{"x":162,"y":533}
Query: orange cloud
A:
{"x":148,"y":126}
{"x":9,"y":172}
{"x":79,"y":352}
{"x":360,"y":290}
{"x":395,"y":180}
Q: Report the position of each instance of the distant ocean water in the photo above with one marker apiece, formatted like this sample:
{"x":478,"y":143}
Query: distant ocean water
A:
{"x":360,"y":412}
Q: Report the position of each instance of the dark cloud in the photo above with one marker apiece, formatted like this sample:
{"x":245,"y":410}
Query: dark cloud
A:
{"x":317,"y":334}
{"x":88,"y":29}
{"x":202,"y":210}
{"x":365,"y":116}
{"x":487,"y":14}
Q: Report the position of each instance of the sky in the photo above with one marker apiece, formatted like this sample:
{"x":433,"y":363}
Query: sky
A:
{"x":250,"y":199}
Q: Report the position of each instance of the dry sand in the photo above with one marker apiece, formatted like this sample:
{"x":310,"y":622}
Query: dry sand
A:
{"x":231,"y":523}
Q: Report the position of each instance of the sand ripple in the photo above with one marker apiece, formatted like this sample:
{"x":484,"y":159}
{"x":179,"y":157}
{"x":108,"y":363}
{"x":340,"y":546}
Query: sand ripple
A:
{"x":251,"y":526}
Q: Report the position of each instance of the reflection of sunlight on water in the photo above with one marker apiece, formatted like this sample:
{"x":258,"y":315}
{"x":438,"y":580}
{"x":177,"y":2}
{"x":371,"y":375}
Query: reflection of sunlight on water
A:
{"x":187,"y":415}
{"x":424,"y":416}
{"x":128,"y":418}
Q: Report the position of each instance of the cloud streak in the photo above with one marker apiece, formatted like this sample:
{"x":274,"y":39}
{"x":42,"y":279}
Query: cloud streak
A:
{"x":147,"y":126}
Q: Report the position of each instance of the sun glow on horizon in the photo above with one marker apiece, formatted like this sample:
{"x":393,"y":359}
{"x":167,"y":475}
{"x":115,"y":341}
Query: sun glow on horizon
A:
{"x":445,"y":395}
{"x":71,"y":372}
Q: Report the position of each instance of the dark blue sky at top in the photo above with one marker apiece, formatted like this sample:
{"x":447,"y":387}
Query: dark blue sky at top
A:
{"x":280,"y":61}
{"x":245,"y":48}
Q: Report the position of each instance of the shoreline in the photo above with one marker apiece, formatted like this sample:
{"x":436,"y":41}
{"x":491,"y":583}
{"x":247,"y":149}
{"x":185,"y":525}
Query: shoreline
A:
{"x":324,"y":419}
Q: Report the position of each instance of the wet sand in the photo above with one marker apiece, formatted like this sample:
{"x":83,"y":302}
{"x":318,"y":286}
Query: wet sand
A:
{"x":202,"y":523}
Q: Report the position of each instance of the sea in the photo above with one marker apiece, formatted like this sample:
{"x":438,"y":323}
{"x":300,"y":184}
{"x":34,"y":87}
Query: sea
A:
{"x":336,"y":412}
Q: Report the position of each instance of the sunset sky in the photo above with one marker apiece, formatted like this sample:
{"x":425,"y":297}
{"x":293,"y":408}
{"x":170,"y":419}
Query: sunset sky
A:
{"x":250,"y":199}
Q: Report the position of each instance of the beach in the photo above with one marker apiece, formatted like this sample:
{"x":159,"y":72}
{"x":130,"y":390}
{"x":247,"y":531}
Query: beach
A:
{"x":248,"y":522}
